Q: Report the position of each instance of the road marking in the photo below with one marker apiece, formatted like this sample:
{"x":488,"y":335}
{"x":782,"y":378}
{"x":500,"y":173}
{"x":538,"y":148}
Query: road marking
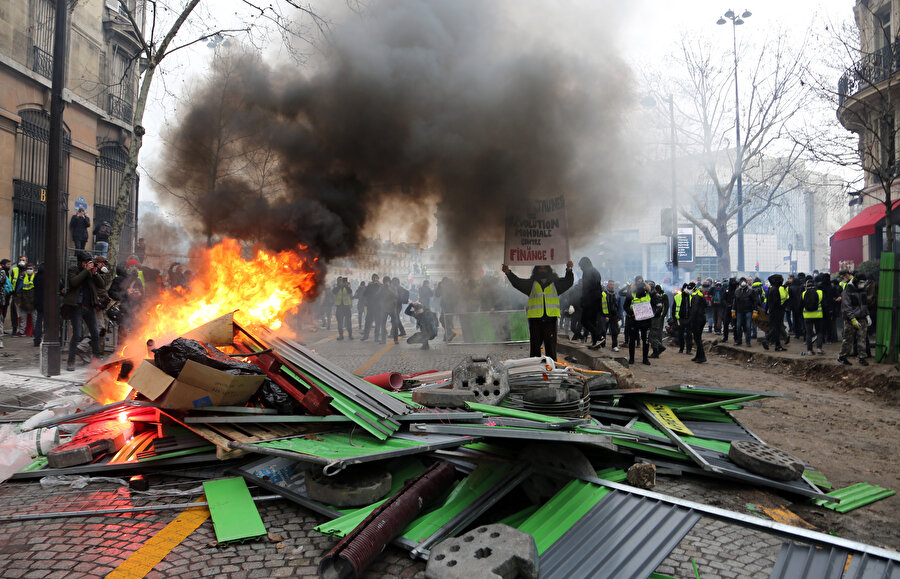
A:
{"x":362,"y":369}
{"x":142,"y":561}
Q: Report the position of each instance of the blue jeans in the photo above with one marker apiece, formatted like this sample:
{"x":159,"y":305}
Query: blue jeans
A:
{"x":78,"y":318}
{"x":744,"y":322}
{"x":101,"y":247}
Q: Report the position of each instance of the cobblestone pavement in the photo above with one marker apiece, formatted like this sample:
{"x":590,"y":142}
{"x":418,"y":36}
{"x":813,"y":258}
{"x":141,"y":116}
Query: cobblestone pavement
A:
{"x":94,"y":546}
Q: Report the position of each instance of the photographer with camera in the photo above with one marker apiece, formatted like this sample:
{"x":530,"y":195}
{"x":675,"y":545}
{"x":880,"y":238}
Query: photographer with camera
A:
{"x":80,"y":304}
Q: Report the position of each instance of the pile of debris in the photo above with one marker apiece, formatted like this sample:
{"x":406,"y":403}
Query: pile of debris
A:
{"x":495,"y":468}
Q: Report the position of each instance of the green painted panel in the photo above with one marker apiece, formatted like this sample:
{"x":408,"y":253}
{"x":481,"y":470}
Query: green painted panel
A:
{"x":557,"y":515}
{"x":234,"y":515}
{"x":465,"y":493}
{"x":853,"y":497}
{"x":818,"y":479}
{"x":335,"y":445}
{"x":885,"y":320}
{"x":518,"y":327}
{"x":462,"y":495}
{"x":489,"y":410}
{"x":707,"y":443}
{"x":516,"y":519}
{"x":347,"y":407}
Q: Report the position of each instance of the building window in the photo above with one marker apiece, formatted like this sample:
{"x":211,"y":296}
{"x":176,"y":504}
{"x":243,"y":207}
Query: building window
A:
{"x":109,"y":174}
{"x":30,"y":184}
{"x":121,"y":85}
{"x":42,"y":20}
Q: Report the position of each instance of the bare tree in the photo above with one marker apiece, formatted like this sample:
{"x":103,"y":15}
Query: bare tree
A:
{"x":211,"y":149}
{"x":156,"y":45}
{"x":767,"y":158}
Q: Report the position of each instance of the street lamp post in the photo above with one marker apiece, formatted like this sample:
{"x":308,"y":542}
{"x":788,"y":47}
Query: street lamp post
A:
{"x":674,"y":199}
{"x":649,"y":101}
{"x":739,"y":153}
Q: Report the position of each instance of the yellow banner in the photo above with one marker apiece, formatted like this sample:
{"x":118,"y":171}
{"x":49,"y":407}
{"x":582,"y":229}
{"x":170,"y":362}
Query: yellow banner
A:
{"x":668,"y":418}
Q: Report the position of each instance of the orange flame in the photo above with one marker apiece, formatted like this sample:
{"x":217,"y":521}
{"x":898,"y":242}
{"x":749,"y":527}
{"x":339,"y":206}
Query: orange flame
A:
{"x":264,"y":289}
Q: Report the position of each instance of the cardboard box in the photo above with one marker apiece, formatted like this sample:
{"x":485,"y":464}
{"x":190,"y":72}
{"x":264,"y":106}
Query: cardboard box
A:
{"x":196,"y":386}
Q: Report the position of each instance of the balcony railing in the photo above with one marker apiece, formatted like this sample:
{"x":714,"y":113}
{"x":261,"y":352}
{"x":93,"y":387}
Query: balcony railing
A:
{"x":869,"y":71}
{"x":41,"y":62}
{"x":120,"y":108}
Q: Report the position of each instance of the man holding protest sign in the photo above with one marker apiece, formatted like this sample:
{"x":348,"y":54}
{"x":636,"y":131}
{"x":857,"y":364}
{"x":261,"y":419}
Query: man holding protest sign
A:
{"x":543,"y":289}
{"x":537,"y":234}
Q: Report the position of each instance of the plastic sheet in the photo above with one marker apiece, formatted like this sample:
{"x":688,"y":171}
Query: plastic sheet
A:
{"x":172,"y":357}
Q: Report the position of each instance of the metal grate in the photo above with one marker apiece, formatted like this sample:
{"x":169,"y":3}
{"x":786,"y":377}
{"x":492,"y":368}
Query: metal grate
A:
{"x":43,"y":25}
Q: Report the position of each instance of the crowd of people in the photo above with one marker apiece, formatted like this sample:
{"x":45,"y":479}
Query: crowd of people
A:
{"x":815,"y":309}
{"x":92,"y":297}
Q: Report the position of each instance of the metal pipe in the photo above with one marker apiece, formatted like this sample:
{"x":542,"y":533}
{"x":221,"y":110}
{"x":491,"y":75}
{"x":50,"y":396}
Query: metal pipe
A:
{"x":64,"y":514}
{"x":355,"y":551}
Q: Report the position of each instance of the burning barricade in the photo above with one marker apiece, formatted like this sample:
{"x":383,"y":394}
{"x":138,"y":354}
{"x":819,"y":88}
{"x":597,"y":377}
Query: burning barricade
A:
{"x":490,"y":468}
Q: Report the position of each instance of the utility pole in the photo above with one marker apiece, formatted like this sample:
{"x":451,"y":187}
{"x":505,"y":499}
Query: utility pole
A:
{"x":674,"y":197}
{"x":50,"y":346}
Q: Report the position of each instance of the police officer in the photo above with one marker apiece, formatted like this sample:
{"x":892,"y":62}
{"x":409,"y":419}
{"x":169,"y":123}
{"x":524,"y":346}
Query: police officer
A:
{"x":543,"y":289}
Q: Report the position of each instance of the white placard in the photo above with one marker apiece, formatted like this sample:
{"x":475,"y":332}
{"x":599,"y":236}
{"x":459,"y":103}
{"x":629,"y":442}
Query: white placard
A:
{"x":537,"y":232}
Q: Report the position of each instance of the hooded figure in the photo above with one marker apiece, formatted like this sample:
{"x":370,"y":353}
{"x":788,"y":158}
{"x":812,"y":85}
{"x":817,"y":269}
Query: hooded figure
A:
{"x":543,"y":310}
{"x":776,"y":299}
{"x":591,"y":296}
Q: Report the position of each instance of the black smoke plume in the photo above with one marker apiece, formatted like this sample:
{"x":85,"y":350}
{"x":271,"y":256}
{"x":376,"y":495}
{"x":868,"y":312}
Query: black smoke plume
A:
{"x":414,"y":101}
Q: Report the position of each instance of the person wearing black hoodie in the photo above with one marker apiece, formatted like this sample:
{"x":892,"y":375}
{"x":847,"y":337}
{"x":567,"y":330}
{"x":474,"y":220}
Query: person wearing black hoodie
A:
{"x":728,"y":300}
{"x":591,"y":290}
{"x":776,"y":298}
{"x":543,"y":310}
{"x":697,"y":320}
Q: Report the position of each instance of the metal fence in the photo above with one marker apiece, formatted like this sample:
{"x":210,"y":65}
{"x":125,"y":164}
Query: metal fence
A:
{"x":30,"y":182}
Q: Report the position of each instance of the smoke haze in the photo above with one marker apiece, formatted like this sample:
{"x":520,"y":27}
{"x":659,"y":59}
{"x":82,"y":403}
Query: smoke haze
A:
{"x":466,"y":104}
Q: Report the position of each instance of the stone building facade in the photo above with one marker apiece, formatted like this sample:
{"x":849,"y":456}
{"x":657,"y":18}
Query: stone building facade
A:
{"x":101,"y":87}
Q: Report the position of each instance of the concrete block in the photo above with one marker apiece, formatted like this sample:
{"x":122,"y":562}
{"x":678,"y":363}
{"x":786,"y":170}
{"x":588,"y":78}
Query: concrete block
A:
{"x":486,"y":377}
{"x":443,"y":398}
{"x":354,"y":487}
{"x":765,"y":460}
{"x":642,"y":475}
{"x":489,"y":552}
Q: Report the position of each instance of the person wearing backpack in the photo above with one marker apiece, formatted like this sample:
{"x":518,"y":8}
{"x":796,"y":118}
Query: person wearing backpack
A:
{"x":812,"y":300}
{"x":101,"y":237}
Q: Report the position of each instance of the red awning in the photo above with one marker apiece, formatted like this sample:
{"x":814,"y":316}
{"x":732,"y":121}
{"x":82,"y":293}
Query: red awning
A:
{"x":864,"y":223}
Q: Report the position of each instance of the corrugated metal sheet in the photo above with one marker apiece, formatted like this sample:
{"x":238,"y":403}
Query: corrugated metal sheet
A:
{"x":869,"y":567}
{"x":624,"y":535}
{"x":796,"y":561}
{"x":728,"y":431}
{"x":853,"y":497}
{"x":557,"y":516}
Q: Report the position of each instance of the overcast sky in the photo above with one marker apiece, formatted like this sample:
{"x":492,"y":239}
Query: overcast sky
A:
{"x":645,"y":33}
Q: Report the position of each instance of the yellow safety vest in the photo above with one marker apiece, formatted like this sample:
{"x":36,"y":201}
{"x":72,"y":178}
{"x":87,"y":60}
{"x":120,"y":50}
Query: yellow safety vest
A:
{"x":678,"y":297}
{"x":344,"y":297}
{"x":543,"y":300}
{"x":783,"y":293}
{"x":816,"y":314}
{"x":604,"y":304}
{"x":140,"y":277}
{"x":637,"y":300}
{"x":761,"y":290}
{"x":27,"y":282}
{"x":14,"y":277}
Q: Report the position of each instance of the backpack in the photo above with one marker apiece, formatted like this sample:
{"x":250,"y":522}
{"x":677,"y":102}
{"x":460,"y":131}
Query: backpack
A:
{"x":811,"y":300}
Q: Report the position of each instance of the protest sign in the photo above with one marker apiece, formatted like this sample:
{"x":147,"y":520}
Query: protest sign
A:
{"x":536,"y":232}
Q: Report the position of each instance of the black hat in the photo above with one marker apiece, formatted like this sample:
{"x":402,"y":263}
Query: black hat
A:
{"x":82,"y":256}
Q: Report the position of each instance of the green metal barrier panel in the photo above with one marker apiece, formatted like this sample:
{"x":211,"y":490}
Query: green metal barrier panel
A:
{"x":234,"y":515}
{"x":501,"y":327}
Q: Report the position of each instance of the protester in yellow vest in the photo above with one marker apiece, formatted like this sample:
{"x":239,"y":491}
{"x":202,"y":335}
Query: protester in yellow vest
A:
{"x":343,"y":300}
{"x":543,"y":289}
{"x":639,"y":294}
{"x":16,"y":271}
{"x":811,"y":301}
